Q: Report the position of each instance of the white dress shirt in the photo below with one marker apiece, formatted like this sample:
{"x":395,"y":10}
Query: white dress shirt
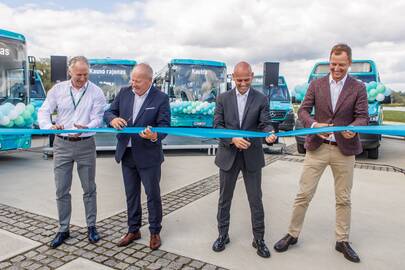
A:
{"x":335,"y":90}
{"x":138,"y":102}
{"x":241,"y":99}
{"x":89,"y":110}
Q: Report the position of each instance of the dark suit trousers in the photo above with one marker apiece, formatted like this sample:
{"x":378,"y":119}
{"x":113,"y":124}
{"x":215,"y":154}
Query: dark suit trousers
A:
{"x":150,"y":178}
{"x":227,"y":182}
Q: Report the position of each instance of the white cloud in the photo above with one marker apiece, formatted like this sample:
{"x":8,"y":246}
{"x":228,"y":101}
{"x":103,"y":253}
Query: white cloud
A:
{"x":296,"y":33}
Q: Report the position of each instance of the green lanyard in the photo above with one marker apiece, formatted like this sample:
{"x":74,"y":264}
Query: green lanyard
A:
{"x":80,"y":99}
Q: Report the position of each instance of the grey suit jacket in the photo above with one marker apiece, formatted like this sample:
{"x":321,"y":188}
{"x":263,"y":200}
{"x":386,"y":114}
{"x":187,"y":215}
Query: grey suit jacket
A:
{"x":256,"y":117}
{"x":351,"y":110}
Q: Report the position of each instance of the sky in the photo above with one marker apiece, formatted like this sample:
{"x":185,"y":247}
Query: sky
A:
{"x":295,"y":33}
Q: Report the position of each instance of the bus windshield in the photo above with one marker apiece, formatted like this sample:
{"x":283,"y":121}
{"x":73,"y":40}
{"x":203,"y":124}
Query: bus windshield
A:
{"x":197,"y":82}
{"x":279,"y":93}
{"x":12,"y":66}
{"x":110,"y":77}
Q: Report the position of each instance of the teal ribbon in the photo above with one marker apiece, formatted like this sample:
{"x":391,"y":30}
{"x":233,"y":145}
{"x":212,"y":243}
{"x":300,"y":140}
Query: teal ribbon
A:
{"x":395,"y":130}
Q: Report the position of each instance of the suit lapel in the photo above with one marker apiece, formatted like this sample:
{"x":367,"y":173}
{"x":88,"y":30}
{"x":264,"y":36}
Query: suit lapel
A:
{"x":130,"y":110}
{"x":328,"y":97}
{"x":343,"y":94}
{"x":145,"y":104}
{"x":234,"y":101}
{"x":247,"y":106}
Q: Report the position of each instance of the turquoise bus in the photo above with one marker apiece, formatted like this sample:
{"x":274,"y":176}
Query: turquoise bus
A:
{"x":193,"y":86}
{"x":110,"y":75}
{"x":365,"y":71}
{"x":15,"y":112}
{"x":281,"y":109}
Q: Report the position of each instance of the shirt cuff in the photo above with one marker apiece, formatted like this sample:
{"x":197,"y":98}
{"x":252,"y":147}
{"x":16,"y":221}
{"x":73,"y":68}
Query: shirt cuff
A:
{"x":313,"y":124}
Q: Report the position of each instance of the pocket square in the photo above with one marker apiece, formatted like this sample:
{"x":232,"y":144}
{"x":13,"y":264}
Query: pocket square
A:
{"x":150,"y":108}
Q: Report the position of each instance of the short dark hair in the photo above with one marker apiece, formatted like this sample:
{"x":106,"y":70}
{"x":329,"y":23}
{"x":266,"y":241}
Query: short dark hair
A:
{"x":341,"y":47}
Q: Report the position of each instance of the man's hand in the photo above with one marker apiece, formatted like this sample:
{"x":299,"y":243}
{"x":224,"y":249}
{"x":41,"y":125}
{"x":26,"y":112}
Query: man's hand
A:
{"x":241,"y":143}
{"x":118,"y":123}
{"x":56,"y":126}
{"x":348,"y":134}
{"x":271,"y":139}
{"x":324,"y":136}
{"x":76,"y":135}
{"x":148,"y":134}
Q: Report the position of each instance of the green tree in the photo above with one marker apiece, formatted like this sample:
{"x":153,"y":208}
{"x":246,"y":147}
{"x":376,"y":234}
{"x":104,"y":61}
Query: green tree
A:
{"x":43,"y":65}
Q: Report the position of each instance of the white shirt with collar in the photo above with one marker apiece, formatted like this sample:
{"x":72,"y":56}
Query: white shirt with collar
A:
{"x":241,"y":100}
{"x":138,"y":102}
{"x":335,"y":90}
{"x":89,"y":110}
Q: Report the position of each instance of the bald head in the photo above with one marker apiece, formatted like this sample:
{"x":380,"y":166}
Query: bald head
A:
{"x":243,"y":76}
{"x":141,"y":78}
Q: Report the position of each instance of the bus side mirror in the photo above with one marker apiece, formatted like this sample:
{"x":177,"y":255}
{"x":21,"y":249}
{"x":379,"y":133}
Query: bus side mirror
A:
{"x":228,"y":86}
{"x":32,"y":77}
{"x":387,"y":100}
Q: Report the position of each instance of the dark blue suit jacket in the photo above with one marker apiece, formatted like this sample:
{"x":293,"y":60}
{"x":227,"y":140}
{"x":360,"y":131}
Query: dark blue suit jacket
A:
{"x":155,"y":112}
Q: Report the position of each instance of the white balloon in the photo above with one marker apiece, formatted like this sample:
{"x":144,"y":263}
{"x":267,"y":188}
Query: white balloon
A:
{"x":13,"y":114}
{"x":380,"y":97}
{"x":20,"y":107}
{"x":5,"y":121}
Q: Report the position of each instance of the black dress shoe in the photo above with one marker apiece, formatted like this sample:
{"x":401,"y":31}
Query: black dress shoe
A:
{"x":261,"y":247}
{"x":220,"y":243}
{"x":283,"y":243}
{"x":59,"y":239}
{"x":347,"y":251}
{"x":93,"y":235}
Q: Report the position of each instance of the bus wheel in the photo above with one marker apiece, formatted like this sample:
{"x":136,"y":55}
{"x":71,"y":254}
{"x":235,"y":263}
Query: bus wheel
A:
{"x":372,"y":153}
{"x":301,"y":149}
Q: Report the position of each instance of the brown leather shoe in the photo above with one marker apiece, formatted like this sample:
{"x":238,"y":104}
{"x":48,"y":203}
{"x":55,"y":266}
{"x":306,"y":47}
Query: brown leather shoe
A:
{"x":129,"y":238}
{"x":155,"y":242}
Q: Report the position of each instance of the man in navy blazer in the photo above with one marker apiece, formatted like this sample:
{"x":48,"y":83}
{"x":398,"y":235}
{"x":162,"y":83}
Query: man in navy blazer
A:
{"x":141,"y":155}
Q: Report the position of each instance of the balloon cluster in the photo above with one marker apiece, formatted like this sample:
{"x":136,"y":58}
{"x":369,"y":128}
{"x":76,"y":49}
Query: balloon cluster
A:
{"x":192,"y":107}
{"x":300,"y":91}
{"x":20,"y":115}
{"x":377,"y":91}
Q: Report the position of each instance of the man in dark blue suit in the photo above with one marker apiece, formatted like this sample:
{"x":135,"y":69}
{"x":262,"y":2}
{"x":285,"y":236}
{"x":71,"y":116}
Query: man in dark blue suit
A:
{"x":141,"y":155}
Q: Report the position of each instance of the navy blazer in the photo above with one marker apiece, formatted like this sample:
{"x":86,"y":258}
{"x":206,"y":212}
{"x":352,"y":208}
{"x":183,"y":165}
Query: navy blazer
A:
{"x":155,"y":112}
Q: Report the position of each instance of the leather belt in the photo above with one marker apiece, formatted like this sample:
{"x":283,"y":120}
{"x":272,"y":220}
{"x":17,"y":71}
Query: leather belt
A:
{"x":74,"y":139}
{"x":330,"y":142}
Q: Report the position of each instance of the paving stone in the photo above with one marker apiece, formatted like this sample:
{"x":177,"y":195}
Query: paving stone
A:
{"x":154,"y":266}
{"x":183,"y":260}
{"x":163,"y":262}
{"x":56,"y":264}
{"x":111,"y":263}
{"x":174,"y":265}
{"x":209,"y":267}
{"x":150,"y":258}
{"x":122,"y":265}
{"x":100,"y":258}
{"x":4,"y":265}
{"x":139,"y":254}
{"x":19,"y":258}
{"x":121,"y":256}
{"x":170,"y":256}
{"x":33,"y":266}
{"x":131,"y":260}
{"x":196,"y":264}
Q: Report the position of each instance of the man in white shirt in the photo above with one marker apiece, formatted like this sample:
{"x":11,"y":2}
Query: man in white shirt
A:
{"x":79,"y":104}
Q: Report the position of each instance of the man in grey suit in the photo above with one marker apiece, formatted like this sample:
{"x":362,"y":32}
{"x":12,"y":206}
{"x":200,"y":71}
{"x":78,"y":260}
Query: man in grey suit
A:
{"x":246,"y":109}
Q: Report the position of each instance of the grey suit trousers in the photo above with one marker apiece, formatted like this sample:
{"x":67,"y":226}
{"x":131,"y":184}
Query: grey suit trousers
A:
{"x":84,"y":154}
{"x":227,"y":182}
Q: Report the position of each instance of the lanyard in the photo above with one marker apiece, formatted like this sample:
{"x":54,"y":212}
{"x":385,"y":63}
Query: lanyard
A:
{"x":80,"y":99}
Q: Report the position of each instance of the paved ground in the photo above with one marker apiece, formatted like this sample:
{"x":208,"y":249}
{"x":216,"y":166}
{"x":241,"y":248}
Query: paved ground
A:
{"x":190,"y":194}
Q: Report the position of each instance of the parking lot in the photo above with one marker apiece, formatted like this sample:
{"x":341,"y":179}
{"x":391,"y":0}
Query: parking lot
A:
{"x":28,"y":217}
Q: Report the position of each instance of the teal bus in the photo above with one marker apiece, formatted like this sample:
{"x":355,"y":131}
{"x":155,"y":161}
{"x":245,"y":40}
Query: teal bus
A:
{"x":192,"y":86}
{"x":281,"y":109}
{"x":365,"y":71}
{"x":110,"y":75}
{"x":15,"y":112}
